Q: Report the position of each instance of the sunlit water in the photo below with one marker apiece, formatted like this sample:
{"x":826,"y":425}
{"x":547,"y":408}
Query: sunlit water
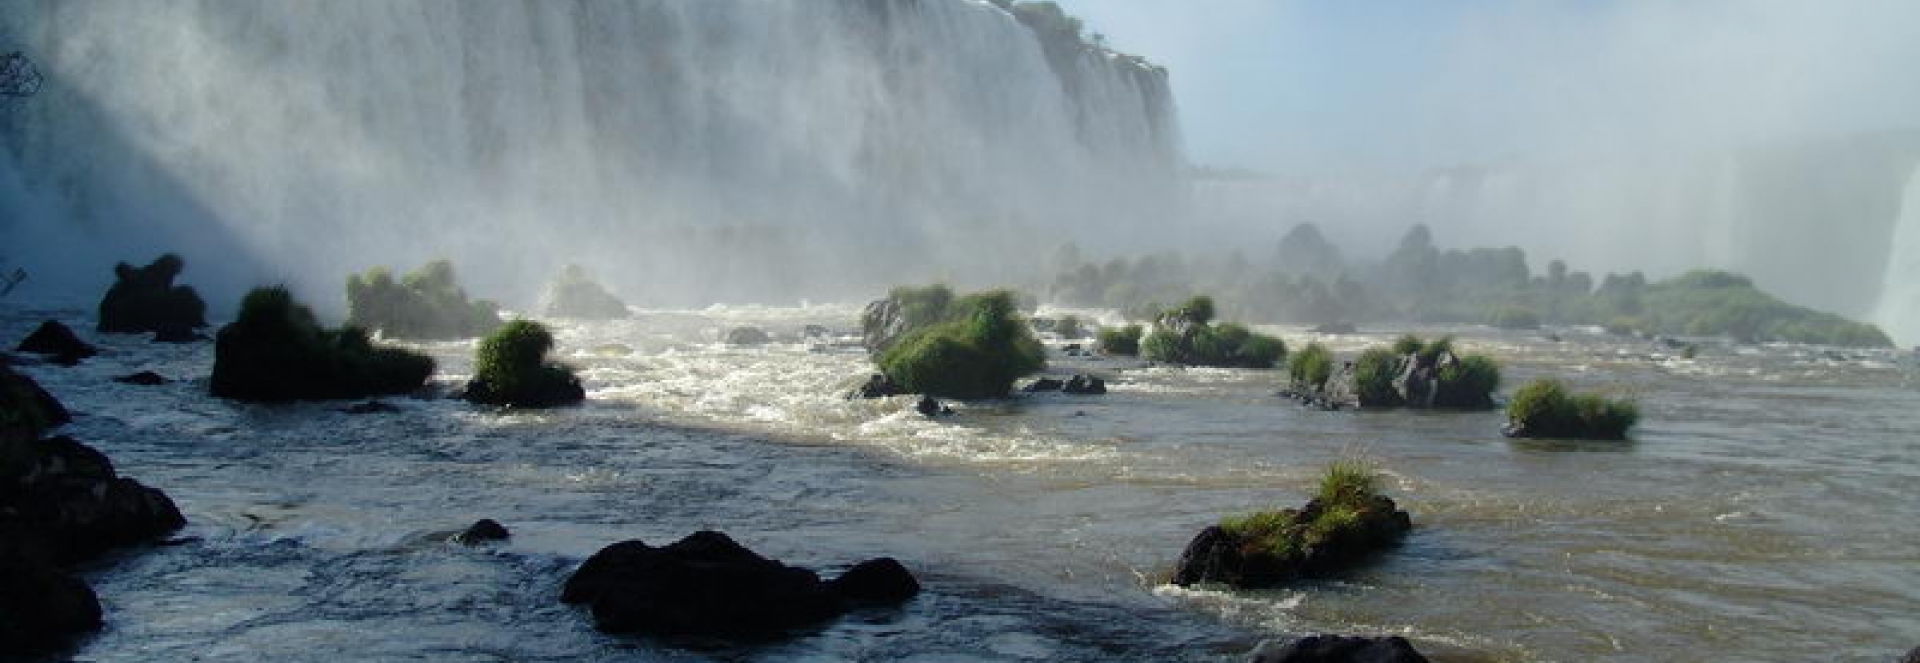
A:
{"x":1763,"y":511}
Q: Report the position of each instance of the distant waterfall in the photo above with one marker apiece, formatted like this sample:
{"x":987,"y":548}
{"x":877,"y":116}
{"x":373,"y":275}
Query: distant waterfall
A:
{"x":1899,"y":311}
{"x":684,"y":149}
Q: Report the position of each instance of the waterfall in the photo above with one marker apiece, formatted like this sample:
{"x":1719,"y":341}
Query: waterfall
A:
{"x":685,"y":150}
{"x":1899,"y":310}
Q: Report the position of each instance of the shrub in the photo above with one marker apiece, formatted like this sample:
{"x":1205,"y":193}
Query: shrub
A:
{"x":1348,"y":495}
{"x":1515,"y":317}
{"x":275,"y":351}
{"x":1311,"y":366}
{"x":427,"y":304}
{"x":1545,"y":409}
{"x":511,"y":368}
{"x":1468,"y":382}
{"x":1373,"y":374}
{"x":975,"y":355}
{"x":1408,"y":344}
{"x":1121,"y":340}
{"x":144,"y":299}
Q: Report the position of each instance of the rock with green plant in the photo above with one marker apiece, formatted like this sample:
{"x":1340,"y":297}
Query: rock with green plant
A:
{"x":1415,"y":373}
{"x":425,"y":305}
{"x":1121,"y":341}
{"x":276,"y":351}
{"x":574,"y":294}
{"x":974,"y":348}
{"x":511,"y":369}
{"x":145,"y":299}
{"x":1346,"y":523}
{"x":1548,"y":409}
{"x":1186,"y":335}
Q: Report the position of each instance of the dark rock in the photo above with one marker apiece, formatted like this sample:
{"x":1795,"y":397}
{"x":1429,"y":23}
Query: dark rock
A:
{"x":22,"y":395}
{"x":1336,"y":328}
{"x":1338,"y":649}
{"x":877,"y":386}
{"x":57,"y":342}
{"x":1044,"y":384}
{"x":371,"y":407}
{"x":816,"y":331}
{"x":1085,"y":385}
{"x":555,"y":393}
{"x":706,"y":584}
{"x":1912,"y":656}
{"x":144,"y":299}
{"x":883,"y":322}
{"x":932,"y":408}
{"x":481,"y":532}
{"x":1071,"y":348}
{"x":1219,"y":556}
{"x":85,"y":516}
{"x":880,"y":581}
{"x":42,"y":608}
{"x":747,"y":336}
{"x":276,"y":351}
{"x":143,"y":378}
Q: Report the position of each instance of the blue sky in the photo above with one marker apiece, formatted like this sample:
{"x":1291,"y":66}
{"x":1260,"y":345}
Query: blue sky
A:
{"x":1311,"y":86}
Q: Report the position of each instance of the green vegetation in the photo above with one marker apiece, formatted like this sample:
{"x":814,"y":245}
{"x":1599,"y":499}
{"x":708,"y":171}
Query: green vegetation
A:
{"x":427,"y":304}
{"x":1545,"y":409}
{"x":1311,"y":367}
{"x":511,"y":368}
{"x":1436,"y":375}
{"x":275,"y":351}
{"x":1306,"y":281}
{"x":1373,"y":374}
{"x":1124,"y":341}
{"x":1069,"y":327}
{"x":1185,"y":335}
{"x":1468,"y":382}
{"x":975,"y":346}
{"x":1349,"y":494}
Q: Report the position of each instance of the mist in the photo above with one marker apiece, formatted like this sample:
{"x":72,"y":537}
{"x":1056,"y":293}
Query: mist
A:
{"x":685,"y":152}
{"x":1774,"y":138}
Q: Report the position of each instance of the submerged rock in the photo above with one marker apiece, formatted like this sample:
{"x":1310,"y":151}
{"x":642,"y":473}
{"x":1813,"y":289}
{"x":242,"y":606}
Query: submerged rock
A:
{"x":877,"y":386}
{"x":58,"y":343}
{"x":143,"y":378}
{"x":706,"y":584}
{"x":144,"y":299}
{"x":932,"y":408}
{"x":1338,"y":649}
{"x":747,"y":336}
{"x":371,"y":407}
{"x":486,"y":529}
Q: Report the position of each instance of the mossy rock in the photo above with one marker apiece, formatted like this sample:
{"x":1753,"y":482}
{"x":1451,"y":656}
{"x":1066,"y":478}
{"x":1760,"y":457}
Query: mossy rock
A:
{"x":1547,"y":409}
{"x":276,"y":351}
{"x":978,"y":353}
{"x":1343,"y":526}
{"x":426,"y":305}
{"x":511,"y":369}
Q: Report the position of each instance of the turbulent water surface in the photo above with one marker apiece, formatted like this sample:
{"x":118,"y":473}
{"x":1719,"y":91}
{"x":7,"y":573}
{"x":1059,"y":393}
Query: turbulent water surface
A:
{"x":1761,"y":513}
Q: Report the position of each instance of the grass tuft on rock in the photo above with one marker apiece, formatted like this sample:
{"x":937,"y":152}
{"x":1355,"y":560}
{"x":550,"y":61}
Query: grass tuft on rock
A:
{"x":1185,"y":335}
{"x":1547,"y":409}
{"x":511,"y":368}
{"x":1311,"y":367}
{"x":981,"y":348}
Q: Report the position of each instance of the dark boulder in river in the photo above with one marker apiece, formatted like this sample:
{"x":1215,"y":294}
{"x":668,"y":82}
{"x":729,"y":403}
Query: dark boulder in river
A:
{"x":486,"y":529}
{"x":143,"y":378}
{"x":144,"y":299}
{"x":1338,"y":649}
{"x":58,"y":343}
{"x":41,"y":606}
{"x":68,"y":494}
{"x":1269,"y":549}
{"x":878,"y":386}
{"x":706,"y":584}
{"x":1043,"y":384}
{"x":1085,"y":385}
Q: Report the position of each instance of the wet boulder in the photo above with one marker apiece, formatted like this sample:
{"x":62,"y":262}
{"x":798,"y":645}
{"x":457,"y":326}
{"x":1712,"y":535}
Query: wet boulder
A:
{"x":576,"y":295}
{"x":930,"y":407}
{"x":145,"y":299}
{"x":1085,"y":385}
{"x":1912,"y":656}
{"x":1275,"y":548}
{"x":32,"y":409}
{"x":482,"y":531}
{"x":72,"y":498}
{"x":1043,"y":384}
{"x":42,"y":607}
{"x":747,"y":336}
{"x":706,"y":584}
{"x":58,"y":343}
{"x":142,"y":378}
{"x":371,"y":407}
{"x":1338,"y":649}
{"x":877,"y":386}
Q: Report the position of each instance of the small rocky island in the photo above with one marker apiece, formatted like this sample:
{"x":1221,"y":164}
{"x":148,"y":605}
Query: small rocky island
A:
{"x":1347,"y":522}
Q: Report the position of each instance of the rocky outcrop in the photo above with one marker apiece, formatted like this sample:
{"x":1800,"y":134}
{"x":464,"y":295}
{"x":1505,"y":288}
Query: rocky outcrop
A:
{"x":882,"y":322}
{"x":142,"y":378}
{"x":706,"y":584}
{"x":1085,"y":385}
{"x":42,"y":607}
{"x":144,"y":299}
{"x":877,"y":386}
{"x":1338,"y":649}
{"x":576,"y":295}
{"x":747,"y":336}
{"x":1300,"y":547}
{"x":1044,"y":385}
{"x":58,"y":343}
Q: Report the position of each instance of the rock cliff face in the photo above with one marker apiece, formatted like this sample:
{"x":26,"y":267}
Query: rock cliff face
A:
{"x":673,"y":143}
